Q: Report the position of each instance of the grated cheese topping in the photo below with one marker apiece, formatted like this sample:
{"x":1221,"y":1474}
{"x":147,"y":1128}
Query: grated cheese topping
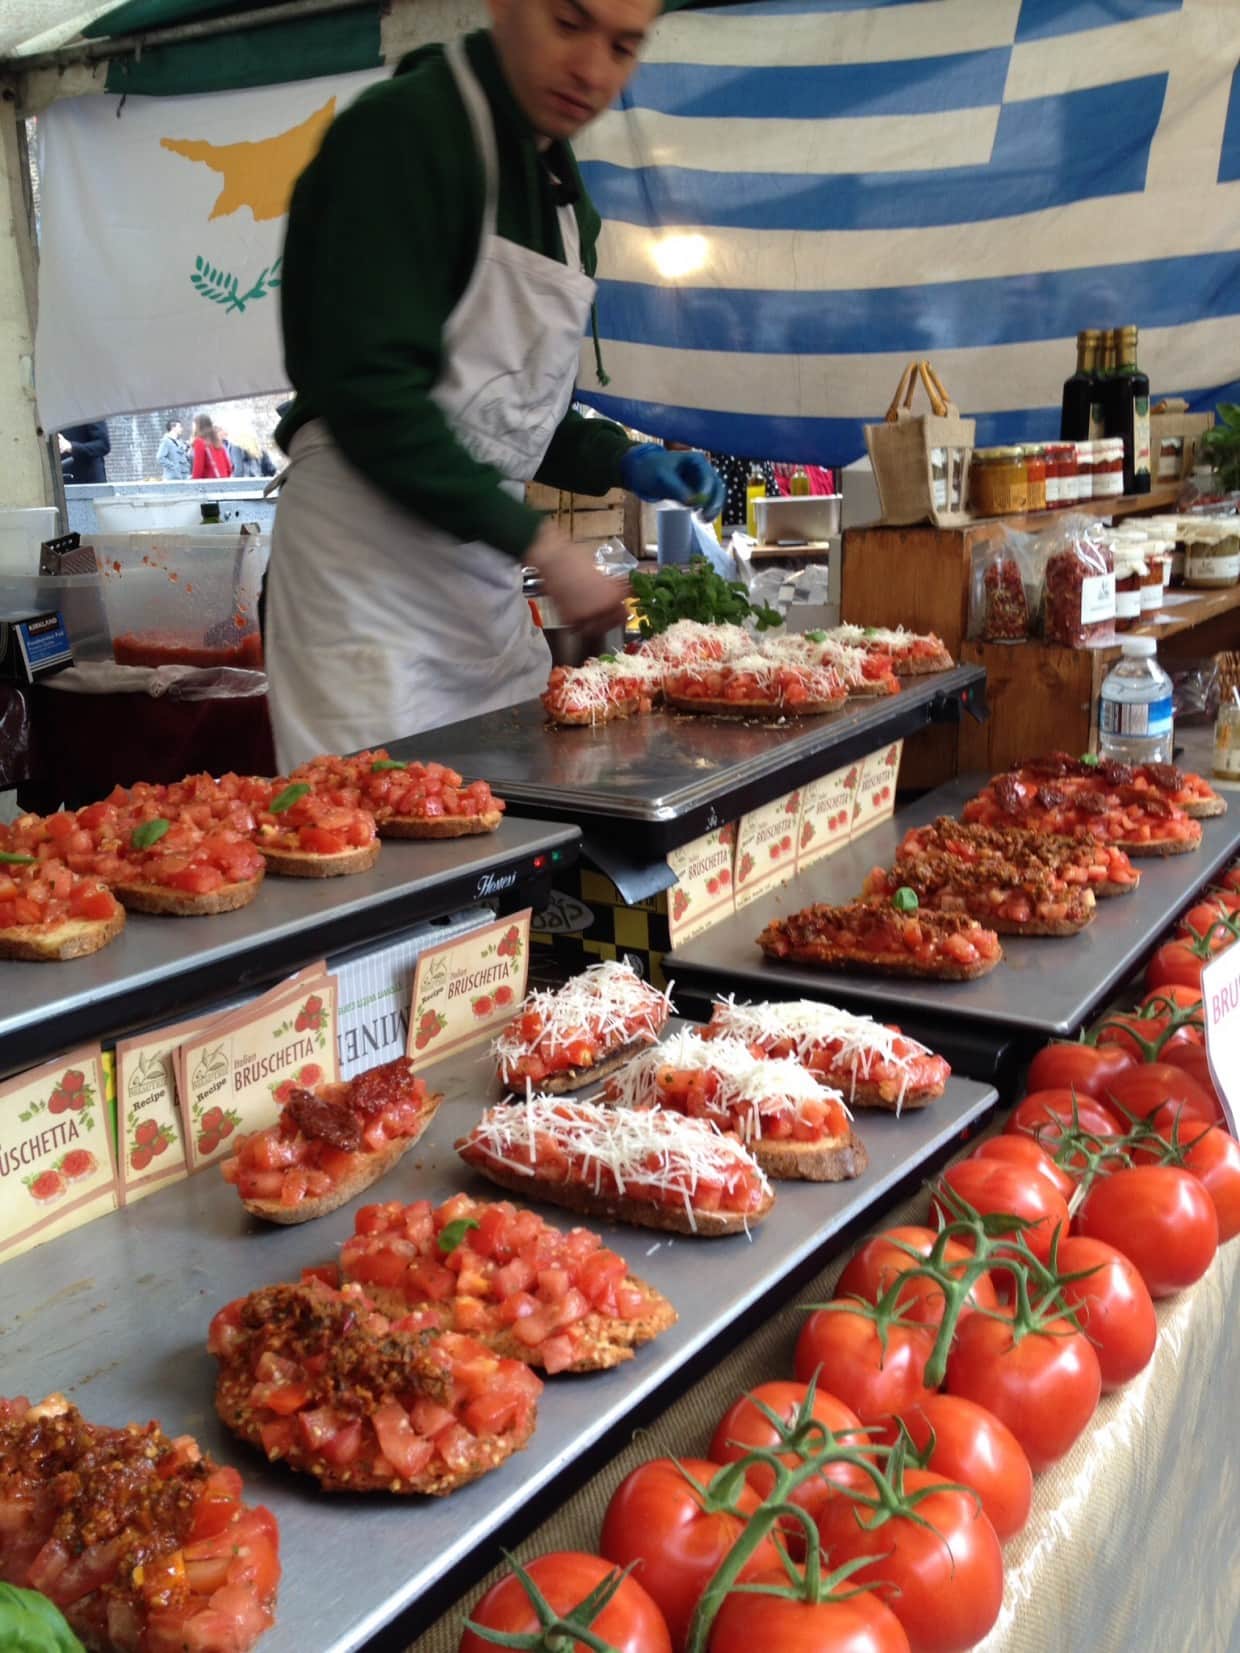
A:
{"x":749,"y":1089}
{"x":880,"y":636}
{"x":691,"y":639}
{"x":609,"y":1003}
{"x":859,"y":1043}
{"x":596,"y":685}
{"x":621,"y":1151}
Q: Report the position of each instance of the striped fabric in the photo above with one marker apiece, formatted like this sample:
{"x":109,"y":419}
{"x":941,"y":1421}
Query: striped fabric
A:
{"x":800,"y":195}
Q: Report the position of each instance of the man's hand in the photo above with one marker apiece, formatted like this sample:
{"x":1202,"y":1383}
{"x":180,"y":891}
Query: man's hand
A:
{"x":582,"y":596}
{"x":682,"y":475}
{"x":65,"y":447}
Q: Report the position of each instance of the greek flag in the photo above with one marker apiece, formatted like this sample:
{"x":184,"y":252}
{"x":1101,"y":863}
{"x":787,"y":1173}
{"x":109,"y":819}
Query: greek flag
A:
{"x":800,"y":195}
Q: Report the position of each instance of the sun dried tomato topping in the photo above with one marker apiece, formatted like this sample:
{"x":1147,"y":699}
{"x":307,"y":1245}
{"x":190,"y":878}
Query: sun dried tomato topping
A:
{"x":1009,"y":795}
{"x":1166,"y":776}
{"x":1111,"y":773}
{"x":378,"y":1088}
{"x":325,"y":1121}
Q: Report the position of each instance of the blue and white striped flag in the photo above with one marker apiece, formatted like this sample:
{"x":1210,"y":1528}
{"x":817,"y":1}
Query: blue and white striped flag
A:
{"x":800,"y":195}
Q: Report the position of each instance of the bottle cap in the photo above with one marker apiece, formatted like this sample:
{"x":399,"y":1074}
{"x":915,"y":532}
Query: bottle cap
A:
{"x":1139,"y":648}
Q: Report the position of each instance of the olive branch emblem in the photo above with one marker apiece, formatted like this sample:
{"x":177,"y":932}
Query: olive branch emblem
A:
{"x":222,"y":287}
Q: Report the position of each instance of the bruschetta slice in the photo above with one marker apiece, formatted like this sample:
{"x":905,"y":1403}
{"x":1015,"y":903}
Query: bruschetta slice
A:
{"x":560,"y":1040}
{"x":48,"y":913}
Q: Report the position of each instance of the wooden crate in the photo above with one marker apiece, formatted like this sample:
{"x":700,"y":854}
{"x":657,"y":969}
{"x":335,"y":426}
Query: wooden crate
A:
{"x":1041,"y":698}
{"x":585,"y":518}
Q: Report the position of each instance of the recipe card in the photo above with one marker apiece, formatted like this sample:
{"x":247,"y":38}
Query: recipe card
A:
{"x":150,"y":1136}
{"x":56,"y":1164}
{"x":766,"y":847}
{"x":465,"y":991}
{"x":235,"y":1073}
{"x":703,"y":892}
{"x":826,"y":814}
{"x":876,"y":788}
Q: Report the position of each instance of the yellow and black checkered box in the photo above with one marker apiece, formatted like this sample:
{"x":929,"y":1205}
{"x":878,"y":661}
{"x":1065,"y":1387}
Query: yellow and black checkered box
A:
{"x":593,"y":921}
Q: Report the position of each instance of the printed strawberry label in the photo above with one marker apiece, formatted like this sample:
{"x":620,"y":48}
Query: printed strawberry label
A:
{"x":704,"y":891}
{"x":56,"y":1167}
{"x":151,"y":1143}
{"x":465,"y":990}
{"x":827,"y":806}
{"x":876,"y":788}
{"x":235,"y":1074}
{"x":766,"y":847}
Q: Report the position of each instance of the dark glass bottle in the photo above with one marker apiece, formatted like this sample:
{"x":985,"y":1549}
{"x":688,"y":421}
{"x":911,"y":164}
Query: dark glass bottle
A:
{"x":1127,"y":408}
{"x":1080,"y":391}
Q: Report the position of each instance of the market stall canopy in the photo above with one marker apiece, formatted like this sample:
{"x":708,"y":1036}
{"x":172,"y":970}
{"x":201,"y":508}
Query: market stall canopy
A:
{"x":799,"y":195}
{"x":29,"y":26}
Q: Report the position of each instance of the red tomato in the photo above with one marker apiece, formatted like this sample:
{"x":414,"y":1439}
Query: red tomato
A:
{"x":873,"y":1269}
{"x":944,"y":1568}
{"x":1086,"y":1069}
{"x":1138,"y":1035}
{"x":1212,"y":1156}
{"x":743,"y":1427}
{"x":656,"y":1520}
{"x":1044,"y":1387}
{"x":973,"y":1447}
{"x":1159,"y":1217}
{"x":1144,"y":1090}
{"x":1175,"y":964}
{"x":1191,"y":1059}
{"x":843,"y":1623}
{"x":1117,"y":1312}
{"x":1047,"y":1115}
{"x":1024,"y":1151}
{"x":630,"y":1622}
{"x":1208,"y":918}
{"x":1231,"y":878}
{"x":992,"y":1186}
{"x":1163,"y":1000}
{"x":845,"y":1350}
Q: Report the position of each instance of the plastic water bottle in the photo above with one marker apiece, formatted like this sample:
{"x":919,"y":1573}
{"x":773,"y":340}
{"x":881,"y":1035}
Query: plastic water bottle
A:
{"x":1135,"y":718}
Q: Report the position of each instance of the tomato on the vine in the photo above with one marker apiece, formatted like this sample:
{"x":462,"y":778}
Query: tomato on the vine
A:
{"x":943,"y":1564}
{"x":972,"y":1446}
{"x":1213,"y":1157}
{"x":1210,"y":922}
{"x":1146,"y":1089}
{"x":1177,"y":964}
{"x":1116,"y":1310}
{"x":1026,"y":1154}
{"x":847,"y":1621}
{"x":630,"y":1622}
{"x":1192,"y":1060}
{"x":1043,"y":1385}
{"x":1047,"y":1116}
{"x":844,"y":1348}
{"x":1085,"y":1069}
{"x":873,"y":1269}
{"x":659,"y":1521}
{"x":743,"y":1427}
{"x":992,"y":1186}
{"x":1160,"y":1217}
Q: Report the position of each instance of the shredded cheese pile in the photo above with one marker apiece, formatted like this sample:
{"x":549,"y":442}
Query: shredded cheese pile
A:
{"x":616,"y":1149}
{"x":609,"y":1003}
{"x":749,"y":1090}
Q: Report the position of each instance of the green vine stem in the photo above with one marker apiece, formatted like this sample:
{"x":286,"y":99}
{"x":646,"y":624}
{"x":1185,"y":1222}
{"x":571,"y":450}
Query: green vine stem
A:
{"x":556,"y":1633}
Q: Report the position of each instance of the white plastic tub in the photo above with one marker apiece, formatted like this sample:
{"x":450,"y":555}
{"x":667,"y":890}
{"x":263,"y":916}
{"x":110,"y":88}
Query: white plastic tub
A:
{"x":144,"y":513}
{"x":22,"y":532}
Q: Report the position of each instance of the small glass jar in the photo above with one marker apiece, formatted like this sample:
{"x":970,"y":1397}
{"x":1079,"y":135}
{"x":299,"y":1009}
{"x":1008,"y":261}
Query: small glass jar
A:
{"x":998,"y":485}
{"x":1212,"y":555}
{"x":938,"y":477}
{"x":1068,"y":474}
{"x":1226,"y":764}
{"x":1109,"y":468}
{"x":1035,"y":475}
{"x":1130,"y":569}
{"x":1170,"y":458}
{"x":1154,"y":584}
{"x":1084,"y":470}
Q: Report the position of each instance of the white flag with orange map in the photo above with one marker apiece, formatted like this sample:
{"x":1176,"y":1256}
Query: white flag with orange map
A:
{"x":161,"y":233}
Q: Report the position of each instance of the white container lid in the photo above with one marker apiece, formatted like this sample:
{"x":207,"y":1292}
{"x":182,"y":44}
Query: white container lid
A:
{"x":1139,"y":648}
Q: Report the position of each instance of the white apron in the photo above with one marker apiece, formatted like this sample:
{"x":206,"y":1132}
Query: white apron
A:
{"x":379,"y":625}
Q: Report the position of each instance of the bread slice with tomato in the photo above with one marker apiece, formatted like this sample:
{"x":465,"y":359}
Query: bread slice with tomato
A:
{"x":49,"y":914}
{"x":407,"y":799}
{"x":331,"y":1143}
{"x":304,"y":834}
{"x":169,"y":865}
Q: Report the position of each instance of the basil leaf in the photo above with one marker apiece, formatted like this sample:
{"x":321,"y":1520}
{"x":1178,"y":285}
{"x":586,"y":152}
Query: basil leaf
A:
{"x":150,"y":832}
{"x":816,"y":636}
{"x":29,"y":1623}
{"x":607,"y":659}
{"x":453,"y":1233}
{"x":1091,"y":758}
{"x":905,"y":900}
{"x":381,"y":764}
{"x":291,"y":795}
{"x":9,"y":860}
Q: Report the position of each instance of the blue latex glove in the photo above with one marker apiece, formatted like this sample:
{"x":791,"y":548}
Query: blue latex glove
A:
{"x":654,"y":473}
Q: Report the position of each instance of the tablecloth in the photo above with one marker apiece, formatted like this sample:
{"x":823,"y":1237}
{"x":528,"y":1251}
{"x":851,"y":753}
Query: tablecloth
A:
{"x":1131,"y":1545}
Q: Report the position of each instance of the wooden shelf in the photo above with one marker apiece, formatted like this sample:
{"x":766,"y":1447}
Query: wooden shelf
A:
{"x":1201,"y":608}
{"x":1124,"y":505}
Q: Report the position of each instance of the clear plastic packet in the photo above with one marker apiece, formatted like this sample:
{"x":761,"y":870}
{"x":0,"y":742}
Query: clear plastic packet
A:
{"x":1078,"y":607}
{"x":1000,"y":605}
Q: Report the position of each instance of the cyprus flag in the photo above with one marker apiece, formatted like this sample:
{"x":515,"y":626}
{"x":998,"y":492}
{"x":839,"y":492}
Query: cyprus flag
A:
{"x":162,"y":227}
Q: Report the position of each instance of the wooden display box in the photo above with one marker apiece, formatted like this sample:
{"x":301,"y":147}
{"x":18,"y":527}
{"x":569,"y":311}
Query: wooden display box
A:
{"x":586,"y":518}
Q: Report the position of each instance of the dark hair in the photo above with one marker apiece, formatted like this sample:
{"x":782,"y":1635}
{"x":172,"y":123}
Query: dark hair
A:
{"x":168,"y":424}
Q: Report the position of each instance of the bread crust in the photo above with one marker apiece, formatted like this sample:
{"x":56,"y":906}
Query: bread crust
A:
{"x":575,"y":1079}
{"x":752,"y":708}
{"x":300,"y":863}
{"x":614,"y":710}
{"x":74,"y":939}
{"x":440,"y":826}
{"x":1201,"y":809}
{"x":160,"y":899}
{"x":811,"y":1161}
{"x":862,"y":964}
{"x":1160,"y":847}
{"x":576,"y":1197}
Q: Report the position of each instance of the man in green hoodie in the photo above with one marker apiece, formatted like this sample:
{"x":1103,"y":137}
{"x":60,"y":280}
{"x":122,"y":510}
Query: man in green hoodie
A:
{"x":437,"y":283}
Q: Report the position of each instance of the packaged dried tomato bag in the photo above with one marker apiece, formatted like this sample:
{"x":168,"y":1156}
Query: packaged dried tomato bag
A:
{"x":999,"y":598}
{"x":1079,"y":584}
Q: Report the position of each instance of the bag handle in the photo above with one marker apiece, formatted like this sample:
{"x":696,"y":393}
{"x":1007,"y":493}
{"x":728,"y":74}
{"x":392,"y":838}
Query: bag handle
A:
{"x":904,"y":394}
{"x":918,"y":372}
{"x":939,"y":399}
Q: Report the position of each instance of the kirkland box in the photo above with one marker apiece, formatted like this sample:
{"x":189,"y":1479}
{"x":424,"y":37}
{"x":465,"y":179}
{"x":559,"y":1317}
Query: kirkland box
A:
{"x":33,"y":646}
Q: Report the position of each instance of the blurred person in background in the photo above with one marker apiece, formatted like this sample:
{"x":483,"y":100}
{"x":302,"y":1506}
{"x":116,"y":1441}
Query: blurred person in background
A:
{"x":172,"y":456}
{"x":83,"y":449}
{"x":436,"y":286}
{"x":210,"y":455}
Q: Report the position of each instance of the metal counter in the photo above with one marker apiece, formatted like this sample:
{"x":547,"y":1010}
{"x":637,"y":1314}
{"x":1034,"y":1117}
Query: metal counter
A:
{"x":164,"y":966}
{"x":660,"y":781}
{"x":1046,"y":986}
{"x":116,"y":1317}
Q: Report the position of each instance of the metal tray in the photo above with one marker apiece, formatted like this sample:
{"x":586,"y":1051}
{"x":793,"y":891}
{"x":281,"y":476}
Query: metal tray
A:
{"x":663,"y":780}
{"x":116,"y":1317}
{"x":1046,"y":986}
{"x":164,"y":965}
